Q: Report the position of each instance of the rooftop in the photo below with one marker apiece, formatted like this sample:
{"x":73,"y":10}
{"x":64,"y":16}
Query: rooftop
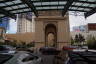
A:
{"x":12,"y":7}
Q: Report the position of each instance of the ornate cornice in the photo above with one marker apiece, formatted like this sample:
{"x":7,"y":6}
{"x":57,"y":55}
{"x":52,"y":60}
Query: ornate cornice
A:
{"x":50,"y":18}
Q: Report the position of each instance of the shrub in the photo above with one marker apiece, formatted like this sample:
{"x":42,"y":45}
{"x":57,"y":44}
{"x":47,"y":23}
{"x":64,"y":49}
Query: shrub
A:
{"x":72,"y":41}
{"x":91,"y":42}
{"x":31,"y":44}
{"x":1,"y":43}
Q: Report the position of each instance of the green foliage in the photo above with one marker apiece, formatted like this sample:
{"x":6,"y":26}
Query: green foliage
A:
{"x":8,"y":42}
{"x":72,"y":41}
{"x":21,"y":44}
{"x":14,"y":43}
{"x":1,"y":43}
{"x":91,"y":42}
{"x":76,"y":38}
{"x":31,"y":44}
{"x":79,"y":39}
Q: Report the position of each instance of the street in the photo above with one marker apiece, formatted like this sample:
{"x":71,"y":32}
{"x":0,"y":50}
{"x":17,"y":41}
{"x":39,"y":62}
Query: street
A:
{"x":47,"y":59}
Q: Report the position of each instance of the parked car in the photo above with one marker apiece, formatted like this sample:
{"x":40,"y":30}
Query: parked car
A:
{"x":24,"y":58}
{"x":7,"y":49}
{"x":84,"y":47}
{"x":49,"y":50}
{"x":81,"y":57}
{"x":69,"y":47}
{"x":4,"y":58}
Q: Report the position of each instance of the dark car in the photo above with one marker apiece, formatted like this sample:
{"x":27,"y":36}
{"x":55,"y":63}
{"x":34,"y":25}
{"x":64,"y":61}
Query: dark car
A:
{"x":7,"y":49}
{"x":81,"y":57}
{"x":49,"y":50}
{"x":4,"y":58}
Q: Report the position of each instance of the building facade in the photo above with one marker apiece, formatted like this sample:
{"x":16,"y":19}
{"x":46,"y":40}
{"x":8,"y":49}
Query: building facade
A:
{"x":24,"y":23}
{"x":51,"y":22}
{"x":89,"y":30}
{"x":50,"y":29}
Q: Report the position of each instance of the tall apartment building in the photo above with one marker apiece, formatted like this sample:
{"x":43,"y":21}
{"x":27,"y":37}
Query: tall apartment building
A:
{"x":25,"y":23}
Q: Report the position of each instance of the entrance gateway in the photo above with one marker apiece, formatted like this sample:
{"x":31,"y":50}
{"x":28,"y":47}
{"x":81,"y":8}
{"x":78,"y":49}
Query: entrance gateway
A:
{"x":51,"y":29}
{"x":50,"y":35}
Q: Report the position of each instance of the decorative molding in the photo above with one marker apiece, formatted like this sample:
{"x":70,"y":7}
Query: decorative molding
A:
{"x":53,"y":18}
{"x":47,"y":22}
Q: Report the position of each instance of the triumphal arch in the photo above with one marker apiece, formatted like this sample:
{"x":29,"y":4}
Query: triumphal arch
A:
{"x":51,"y":29}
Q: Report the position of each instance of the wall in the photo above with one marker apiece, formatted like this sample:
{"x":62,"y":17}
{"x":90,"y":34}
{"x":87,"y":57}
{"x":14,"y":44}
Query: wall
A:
{"x":62,"y":24}
{"x":63,"y":31}
{"x":21,"y":37}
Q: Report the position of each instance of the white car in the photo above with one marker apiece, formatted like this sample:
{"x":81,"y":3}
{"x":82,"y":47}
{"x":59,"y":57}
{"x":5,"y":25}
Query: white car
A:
{"x":24,"y":58}
{"x":7,"y":49}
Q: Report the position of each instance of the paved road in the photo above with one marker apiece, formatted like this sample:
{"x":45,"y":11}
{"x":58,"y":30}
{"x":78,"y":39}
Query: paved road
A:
{"x":46,"y":59}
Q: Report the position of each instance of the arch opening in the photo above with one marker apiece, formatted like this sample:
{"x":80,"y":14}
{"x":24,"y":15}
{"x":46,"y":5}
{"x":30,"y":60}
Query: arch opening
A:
{"x":50,"y":35}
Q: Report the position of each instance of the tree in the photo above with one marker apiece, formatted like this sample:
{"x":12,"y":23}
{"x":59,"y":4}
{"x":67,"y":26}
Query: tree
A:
{"x":14,"y":43}
{"x":81,"y":38}
{"x":76,"y":38}
{"x":31,"y":44}
{"x":72,"y":41}
{"x":91,"y":42}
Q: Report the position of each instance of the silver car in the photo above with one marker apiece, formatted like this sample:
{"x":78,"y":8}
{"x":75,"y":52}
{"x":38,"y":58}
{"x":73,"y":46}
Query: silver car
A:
{"x":24,"y":58}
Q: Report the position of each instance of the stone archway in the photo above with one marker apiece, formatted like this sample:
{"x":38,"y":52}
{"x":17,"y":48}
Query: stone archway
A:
{"x":50,"y":35}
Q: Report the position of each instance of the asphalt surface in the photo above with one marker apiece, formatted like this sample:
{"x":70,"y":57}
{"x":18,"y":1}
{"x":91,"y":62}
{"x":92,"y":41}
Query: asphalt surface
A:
{"x":46,"y":59}
{"x":14,"y":60}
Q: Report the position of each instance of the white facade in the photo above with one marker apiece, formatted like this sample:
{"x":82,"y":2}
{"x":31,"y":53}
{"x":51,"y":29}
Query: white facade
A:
{"x":25,"y":25}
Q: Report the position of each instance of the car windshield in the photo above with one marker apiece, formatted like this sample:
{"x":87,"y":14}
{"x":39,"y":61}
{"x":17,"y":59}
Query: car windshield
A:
{"x":28,"y":57}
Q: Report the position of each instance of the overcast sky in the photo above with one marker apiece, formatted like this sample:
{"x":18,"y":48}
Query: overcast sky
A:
{"x":73,"y":19}
{"x":80,"y":20}
{"x":12,"y":26}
